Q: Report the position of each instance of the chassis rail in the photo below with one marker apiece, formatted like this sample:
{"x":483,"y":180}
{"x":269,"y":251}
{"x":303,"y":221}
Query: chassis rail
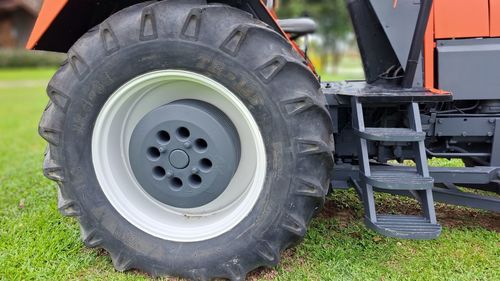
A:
{"x":448,"y":177}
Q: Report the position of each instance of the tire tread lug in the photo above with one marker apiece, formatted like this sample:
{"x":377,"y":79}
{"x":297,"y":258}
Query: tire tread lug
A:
{"x":270,"y":69}
{"x":67,"y":207}
{"x":266,"y":251}
{"x":109,"y":39}
{"x":51,"y":169}
{"x":121,"y":261}
{"x":191,"y":27}
{"x":294,"y":224}
{"x":308,"y":187}
{"x":58,"y":98}
{"x":149,"y":30}
{"x":233,"y":42}
{"x":79,"y":66}
{"x":90,"y":238}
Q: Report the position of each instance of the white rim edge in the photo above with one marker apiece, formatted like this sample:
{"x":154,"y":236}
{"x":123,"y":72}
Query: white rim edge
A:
{"x":114,"y":125}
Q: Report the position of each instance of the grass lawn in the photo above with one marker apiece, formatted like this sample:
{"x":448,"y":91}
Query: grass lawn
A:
{"x":37,"y":243}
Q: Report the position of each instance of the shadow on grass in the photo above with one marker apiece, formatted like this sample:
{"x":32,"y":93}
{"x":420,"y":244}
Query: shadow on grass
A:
{"x":337,"y":237}
{"x":345,"y":207}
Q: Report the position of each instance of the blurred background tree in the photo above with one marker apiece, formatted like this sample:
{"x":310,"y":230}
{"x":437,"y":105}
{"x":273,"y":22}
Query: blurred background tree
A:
{"x":335,"y":29}
{"x":332,"y":48}
{"x":17,"y":18}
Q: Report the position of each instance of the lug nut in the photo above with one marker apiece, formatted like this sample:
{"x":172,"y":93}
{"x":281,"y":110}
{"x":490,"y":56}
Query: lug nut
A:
{"x":195,"y":171}
{"x":162,"y":149}
{"x":170,"y":174}
{"x":188,"y":144}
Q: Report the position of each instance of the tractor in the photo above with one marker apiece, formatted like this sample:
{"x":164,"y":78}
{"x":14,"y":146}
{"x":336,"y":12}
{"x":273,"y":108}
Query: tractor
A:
{"x":194,"y":138}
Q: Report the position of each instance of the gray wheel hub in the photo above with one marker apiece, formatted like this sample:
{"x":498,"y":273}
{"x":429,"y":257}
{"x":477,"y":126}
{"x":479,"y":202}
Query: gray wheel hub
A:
{"x":185,"y":153}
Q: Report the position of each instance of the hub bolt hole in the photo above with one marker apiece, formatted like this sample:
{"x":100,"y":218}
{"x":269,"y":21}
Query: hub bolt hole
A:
{"x":163,"y":137}
{"x":154,"y":153}
{"x":183,"y":133}
{"x":159,"y":173}
{"x":195,"y":180}
{"x":201,"y":145}
{"x":176,"y":182}
{"x":206,"y":164}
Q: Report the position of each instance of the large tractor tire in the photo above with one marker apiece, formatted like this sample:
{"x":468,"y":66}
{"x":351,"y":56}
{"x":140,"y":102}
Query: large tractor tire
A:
{"x":188,"y":139}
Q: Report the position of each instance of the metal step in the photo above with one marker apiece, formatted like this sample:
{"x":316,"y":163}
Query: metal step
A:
{"x":391,"y":134}
{"x":398,"y":180}
{"x":373,"y":95}
{"x":406,"y":227}
{"x":417,"y":181}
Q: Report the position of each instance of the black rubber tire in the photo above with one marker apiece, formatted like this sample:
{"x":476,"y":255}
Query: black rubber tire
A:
{"x":240,"y":52}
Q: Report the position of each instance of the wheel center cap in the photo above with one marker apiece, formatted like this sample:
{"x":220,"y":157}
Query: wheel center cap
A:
{"x":179,"y":159}
{"x":185,"y":153}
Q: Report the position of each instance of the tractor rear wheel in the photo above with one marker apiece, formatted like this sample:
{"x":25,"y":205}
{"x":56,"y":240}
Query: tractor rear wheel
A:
{"x":188,"y":139}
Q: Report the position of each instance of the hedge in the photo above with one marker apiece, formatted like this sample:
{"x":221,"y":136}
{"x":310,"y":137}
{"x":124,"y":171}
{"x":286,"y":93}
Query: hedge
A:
{"x":25,"y":58}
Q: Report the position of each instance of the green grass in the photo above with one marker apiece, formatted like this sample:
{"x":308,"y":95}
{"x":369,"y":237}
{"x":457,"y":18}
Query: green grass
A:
{"x":20,"y":74}
{"x":350,"y":68}
{"x":36,"y":243}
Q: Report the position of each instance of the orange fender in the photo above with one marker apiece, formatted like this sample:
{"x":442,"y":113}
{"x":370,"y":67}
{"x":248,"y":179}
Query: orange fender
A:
{"x":50,"y":10}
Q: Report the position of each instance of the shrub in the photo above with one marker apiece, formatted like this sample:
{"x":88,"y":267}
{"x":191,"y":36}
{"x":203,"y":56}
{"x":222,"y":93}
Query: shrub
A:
{"x":25,"y":58}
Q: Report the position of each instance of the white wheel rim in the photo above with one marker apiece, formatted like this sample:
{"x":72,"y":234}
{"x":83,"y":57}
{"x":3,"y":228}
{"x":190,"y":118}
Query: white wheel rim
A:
{"x":110,"y":157}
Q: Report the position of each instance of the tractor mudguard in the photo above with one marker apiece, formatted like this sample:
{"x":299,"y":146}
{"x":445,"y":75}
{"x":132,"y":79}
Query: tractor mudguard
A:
{"x":62,"y":22}
{"x":48,"y":14}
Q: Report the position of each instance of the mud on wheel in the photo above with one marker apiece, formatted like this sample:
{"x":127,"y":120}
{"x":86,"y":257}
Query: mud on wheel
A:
{"x":188,"y":139}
